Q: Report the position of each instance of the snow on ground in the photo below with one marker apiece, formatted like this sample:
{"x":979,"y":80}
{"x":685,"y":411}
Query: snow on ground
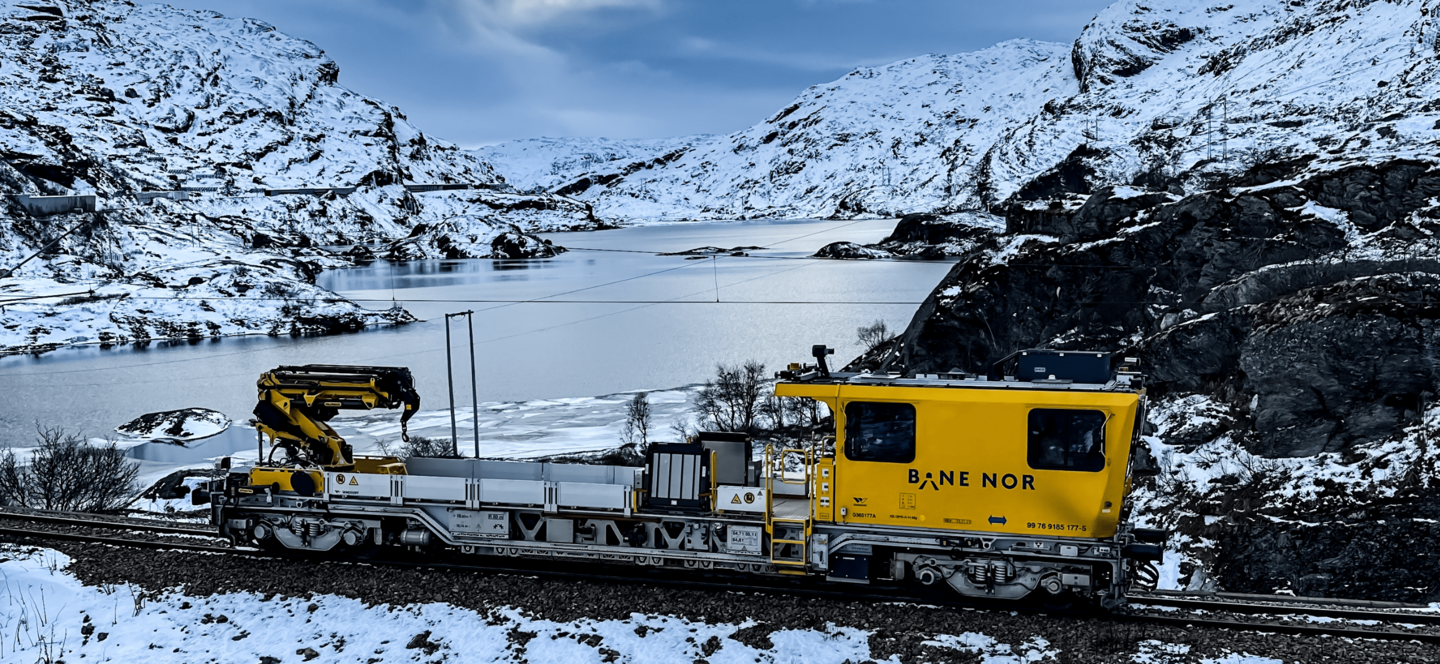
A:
{"x":170,"y":506}
{"x":183,"y":424}
{"x":50,"y":616}
{"x":1159,"y":652}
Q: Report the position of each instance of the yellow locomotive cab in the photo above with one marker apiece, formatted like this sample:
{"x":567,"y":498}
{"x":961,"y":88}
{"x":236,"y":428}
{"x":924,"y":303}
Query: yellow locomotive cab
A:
{"x":978,"y":458}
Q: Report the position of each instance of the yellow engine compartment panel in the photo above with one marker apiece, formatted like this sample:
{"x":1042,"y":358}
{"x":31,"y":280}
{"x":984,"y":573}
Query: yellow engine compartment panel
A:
{"x":972,"y":453}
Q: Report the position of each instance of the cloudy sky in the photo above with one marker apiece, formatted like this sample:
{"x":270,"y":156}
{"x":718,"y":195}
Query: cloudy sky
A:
{"x":484,"y":71}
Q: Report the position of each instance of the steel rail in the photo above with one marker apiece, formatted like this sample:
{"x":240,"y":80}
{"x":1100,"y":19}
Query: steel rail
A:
{"x":1289,"y":599}
{"x":118,"y":525}
{"x":1357,"y":632}
{"x":685,"y":580}
{"x":1282,"y":606}
{"x":115,"y":541}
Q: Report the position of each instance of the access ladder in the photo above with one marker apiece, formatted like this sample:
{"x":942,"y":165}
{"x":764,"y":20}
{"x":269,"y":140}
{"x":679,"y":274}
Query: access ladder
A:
{"x":787,"y":519}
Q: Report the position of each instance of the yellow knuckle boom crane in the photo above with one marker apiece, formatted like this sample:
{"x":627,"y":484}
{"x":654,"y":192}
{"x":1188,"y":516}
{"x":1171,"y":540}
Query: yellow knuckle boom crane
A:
{"x":296,"y":402}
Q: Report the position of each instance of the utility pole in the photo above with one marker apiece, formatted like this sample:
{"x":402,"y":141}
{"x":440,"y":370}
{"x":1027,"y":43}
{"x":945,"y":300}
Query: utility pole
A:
{"x":1225,"y":129}
{"x":1209,"y":154}
{"x":450,"y":379}
{"x":474,"y":391}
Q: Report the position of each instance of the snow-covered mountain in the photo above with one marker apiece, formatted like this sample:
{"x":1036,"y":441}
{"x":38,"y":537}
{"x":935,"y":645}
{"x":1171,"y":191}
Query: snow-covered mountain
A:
{"x":111,"y":98}
{"x":908,"y":136}
{"x":1185,"y":88}
{"x":547,"y":164}
{"x":1178,"y":90}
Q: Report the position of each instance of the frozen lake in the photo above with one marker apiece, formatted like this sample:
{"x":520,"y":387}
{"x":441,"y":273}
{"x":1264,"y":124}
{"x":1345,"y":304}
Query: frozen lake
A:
{"x":614,"y":319}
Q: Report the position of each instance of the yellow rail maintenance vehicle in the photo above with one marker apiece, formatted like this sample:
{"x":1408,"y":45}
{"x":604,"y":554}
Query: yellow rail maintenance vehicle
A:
{"x":1007,"y":485}
{"x":1021,"y":477}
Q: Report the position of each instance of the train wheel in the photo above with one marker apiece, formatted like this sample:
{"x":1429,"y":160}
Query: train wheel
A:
{"x":1064,"y":601}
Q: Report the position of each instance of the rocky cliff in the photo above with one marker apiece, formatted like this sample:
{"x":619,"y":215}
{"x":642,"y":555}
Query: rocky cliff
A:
{"x":1286,"y":322}
{"x":282,"y":171}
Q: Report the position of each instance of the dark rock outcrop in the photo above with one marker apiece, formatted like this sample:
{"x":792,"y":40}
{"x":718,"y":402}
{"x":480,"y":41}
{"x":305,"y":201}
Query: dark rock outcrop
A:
{"x":1237,"y":294}
{"x":1302,"y":314}
{"x":850,"y":250}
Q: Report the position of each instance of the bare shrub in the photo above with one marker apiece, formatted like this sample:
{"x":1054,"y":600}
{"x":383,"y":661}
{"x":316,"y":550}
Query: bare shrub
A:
{"x":731,"y":400}
{"x":804,"y":411}
{"x":14,"y":484}
{"x":788,"y":413}
{"x":429,"y":448}
{"x":873,"y":335}
{"x":772,"y":412}
{"x":681,"y":430}
{"x":68,"y":473}
{"x":637,"y":421}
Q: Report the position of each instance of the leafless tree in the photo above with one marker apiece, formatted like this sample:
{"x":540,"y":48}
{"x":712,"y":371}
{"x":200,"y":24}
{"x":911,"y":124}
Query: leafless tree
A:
{"x":14,"y":483}
{"x":874,"y":334}
{"x":803,"y":411}
{"x":431,"y":448}
{"x":682,"y":430}
{"x":637,"y":421}
{"x":68,"y":473}
{"x":772,"y":412}
{"x":731,"y":401}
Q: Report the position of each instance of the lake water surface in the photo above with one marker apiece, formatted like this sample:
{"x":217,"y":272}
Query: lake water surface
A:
{"x":609,"y":316}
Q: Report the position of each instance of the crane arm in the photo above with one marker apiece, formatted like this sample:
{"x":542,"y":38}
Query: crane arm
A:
{"x":296,"y":402}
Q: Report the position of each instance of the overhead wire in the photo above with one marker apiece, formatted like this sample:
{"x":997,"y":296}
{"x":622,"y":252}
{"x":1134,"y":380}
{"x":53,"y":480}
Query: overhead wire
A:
{"x":542,"y":300}
{"x":548,"y":299}
{"x":644,"y":304}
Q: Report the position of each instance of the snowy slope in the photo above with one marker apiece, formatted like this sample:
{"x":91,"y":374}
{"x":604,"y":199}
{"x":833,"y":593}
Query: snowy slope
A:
{"x":111,"y":98}
{"x":909,"y":136}
{"x":550,"y":163}
{"x":1172,"y":91}
{"x":1183,"y":88}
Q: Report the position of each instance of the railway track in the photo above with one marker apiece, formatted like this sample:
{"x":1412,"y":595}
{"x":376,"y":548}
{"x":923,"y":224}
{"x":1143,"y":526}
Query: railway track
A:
{"x":1269,"y":614}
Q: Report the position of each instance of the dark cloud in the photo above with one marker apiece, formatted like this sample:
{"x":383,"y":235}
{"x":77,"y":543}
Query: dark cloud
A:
{"x":484,"y":71}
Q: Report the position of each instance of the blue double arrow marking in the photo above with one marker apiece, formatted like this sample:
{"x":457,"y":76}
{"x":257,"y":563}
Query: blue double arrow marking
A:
{"x":997,"y":520}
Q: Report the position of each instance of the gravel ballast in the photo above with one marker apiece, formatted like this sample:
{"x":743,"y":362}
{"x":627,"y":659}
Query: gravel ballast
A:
{"x":900,"y":630}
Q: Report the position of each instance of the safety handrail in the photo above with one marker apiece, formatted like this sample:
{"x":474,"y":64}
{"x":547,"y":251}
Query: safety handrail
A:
{"x":775,"y":464}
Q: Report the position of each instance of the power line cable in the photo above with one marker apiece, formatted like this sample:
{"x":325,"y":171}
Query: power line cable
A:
{"x":643,"y":305}
{"x":533,"y":331}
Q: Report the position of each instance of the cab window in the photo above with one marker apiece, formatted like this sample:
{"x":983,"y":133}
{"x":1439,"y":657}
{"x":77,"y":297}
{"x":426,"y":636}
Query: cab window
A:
{"x":880,"y":432}
{"x":1067,"y":439}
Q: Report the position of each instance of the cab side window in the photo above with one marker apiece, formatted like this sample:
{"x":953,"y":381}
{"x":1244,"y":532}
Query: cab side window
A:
{"x":1067,"y":439}
{"x":880,"y":432}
